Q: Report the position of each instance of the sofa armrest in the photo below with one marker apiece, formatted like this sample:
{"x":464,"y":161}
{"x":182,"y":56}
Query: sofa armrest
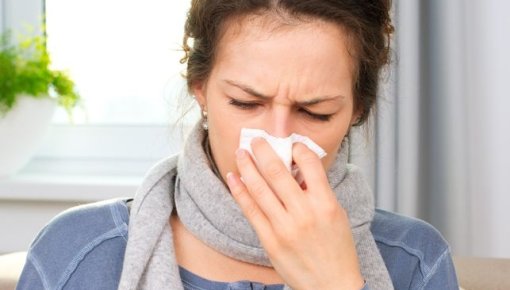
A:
{"x":483,"y":273}
{"x":11,"y":266}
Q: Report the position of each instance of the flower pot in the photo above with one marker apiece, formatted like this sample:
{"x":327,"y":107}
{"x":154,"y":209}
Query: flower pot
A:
{"x":22,"y":130}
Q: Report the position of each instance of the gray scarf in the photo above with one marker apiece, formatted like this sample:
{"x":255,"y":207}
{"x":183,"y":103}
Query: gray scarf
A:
{"x":206,"y":208}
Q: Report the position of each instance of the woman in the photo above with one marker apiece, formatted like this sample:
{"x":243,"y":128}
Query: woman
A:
{"x":220,"y":217}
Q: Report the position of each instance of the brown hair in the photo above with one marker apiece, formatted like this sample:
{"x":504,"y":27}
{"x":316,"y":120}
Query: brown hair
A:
{"x":367,"y":23}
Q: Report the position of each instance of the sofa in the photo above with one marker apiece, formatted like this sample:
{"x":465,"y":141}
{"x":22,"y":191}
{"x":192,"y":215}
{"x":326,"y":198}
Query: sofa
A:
{"x":483,"y":273}
{"x":10,"y":269}
{"x":473,"y":273}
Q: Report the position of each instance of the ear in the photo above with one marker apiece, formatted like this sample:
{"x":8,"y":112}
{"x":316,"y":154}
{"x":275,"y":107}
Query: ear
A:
{"x":199,"y":91}
{"x":355,"y":117}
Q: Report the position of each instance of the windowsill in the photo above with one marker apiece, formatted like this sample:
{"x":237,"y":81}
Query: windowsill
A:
{"x":82,"y":164}
{"x":66,"y":188}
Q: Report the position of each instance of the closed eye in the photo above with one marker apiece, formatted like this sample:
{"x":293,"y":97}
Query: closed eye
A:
{"x":252,"y":105}
{"x":243,"y":105}
{"x":319,"y":117}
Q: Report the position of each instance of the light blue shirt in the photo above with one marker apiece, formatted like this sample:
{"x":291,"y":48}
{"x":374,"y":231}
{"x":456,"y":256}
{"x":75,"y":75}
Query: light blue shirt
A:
{"x":83,"y":248}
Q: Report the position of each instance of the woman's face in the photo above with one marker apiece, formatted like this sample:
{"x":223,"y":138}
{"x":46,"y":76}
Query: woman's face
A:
{"x":282,"y":79}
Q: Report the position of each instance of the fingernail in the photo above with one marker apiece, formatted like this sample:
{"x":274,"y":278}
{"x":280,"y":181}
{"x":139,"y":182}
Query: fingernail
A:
{"x":257,"y":140}
{"x":240,"y":153}
{"x":230,"y":178}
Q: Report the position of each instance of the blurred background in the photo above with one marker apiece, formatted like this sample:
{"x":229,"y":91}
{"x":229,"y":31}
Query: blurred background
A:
{"x":437,"y":147}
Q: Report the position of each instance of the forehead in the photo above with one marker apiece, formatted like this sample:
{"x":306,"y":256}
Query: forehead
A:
{"x":269,"y":51}
{"x":263,"y":26}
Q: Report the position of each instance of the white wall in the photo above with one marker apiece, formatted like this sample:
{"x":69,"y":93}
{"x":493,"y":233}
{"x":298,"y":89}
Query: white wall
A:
{"x":28,"y":201}
{"x":20,"y":221}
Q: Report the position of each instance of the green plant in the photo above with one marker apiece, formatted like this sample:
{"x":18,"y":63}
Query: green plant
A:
{"x":25,"y":69}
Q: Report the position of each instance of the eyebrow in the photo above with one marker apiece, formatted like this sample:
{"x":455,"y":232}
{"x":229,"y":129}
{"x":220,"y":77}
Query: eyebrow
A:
{"x":249,"y":90}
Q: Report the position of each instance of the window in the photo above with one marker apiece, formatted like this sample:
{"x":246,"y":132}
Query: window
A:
{"x":123,"y":55}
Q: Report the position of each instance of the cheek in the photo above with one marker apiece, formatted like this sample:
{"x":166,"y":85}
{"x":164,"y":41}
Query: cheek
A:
{"x":224,"y":140}
{"x":331,"y":143}
{"x":332,"y":154}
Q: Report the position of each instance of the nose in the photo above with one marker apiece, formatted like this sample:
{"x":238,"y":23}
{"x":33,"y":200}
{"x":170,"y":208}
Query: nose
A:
{"x":280,"y":122}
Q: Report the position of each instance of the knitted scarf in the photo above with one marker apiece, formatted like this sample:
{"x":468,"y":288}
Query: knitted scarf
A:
{"x":204,"y":205}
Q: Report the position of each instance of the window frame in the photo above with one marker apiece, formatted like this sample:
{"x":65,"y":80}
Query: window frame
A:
{"x":2,"y":17}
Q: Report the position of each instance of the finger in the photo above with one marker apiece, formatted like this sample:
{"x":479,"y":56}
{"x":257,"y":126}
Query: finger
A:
{"x":311,"y":168}
{"x":257,"y":187}
{"x":276,"y":174}
{"x":248,"y":206}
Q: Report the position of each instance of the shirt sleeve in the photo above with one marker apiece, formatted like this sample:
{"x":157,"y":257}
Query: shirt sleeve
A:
{"x":30,"y":278}
{"x":81,"y":248}
{"x":442,"y":274}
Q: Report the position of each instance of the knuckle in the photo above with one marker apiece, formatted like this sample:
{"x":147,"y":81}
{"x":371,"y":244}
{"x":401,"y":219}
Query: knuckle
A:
{"x":251,"y":210}
{"x":242,"y":198}
{"x":332,"y":212}
{"x":237,"y":189}
{"x":258,"y":190}
{"x":288,"y":235}
{"x":330,"y":206}
{"x":305,"y":223}
{"x":275,"y":168}
{"x":294,"y":231}
{"x":303,"y":150}
{"x":307,"y":157}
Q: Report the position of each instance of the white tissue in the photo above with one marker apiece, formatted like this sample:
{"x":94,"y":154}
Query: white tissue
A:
{"x":282,"y":146}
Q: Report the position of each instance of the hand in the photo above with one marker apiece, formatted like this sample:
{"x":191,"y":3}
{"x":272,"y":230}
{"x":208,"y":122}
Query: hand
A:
{"x":305,"y":232}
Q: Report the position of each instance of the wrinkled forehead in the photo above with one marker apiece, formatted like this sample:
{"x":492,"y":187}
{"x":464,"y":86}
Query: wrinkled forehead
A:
{"x":302,"y":62}
{"x":265,"y":24}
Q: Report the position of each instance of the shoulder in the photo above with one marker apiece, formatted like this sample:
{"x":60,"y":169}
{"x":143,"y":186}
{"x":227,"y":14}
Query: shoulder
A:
{"x":78,"y":225}
{"x":412,"y":234}
{"x":415,"y":253}
{"x":81,"y":240}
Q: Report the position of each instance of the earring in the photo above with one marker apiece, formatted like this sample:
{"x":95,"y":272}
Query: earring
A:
{"x":205,"y":125}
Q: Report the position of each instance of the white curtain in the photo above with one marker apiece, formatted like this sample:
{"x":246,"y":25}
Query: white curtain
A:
{"x":442,"y":131}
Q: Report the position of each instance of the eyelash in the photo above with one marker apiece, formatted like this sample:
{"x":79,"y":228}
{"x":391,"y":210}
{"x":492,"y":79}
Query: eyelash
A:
{"x":319,"y":117}
{"x":249,"y":106}
{"x":242,"y":105}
